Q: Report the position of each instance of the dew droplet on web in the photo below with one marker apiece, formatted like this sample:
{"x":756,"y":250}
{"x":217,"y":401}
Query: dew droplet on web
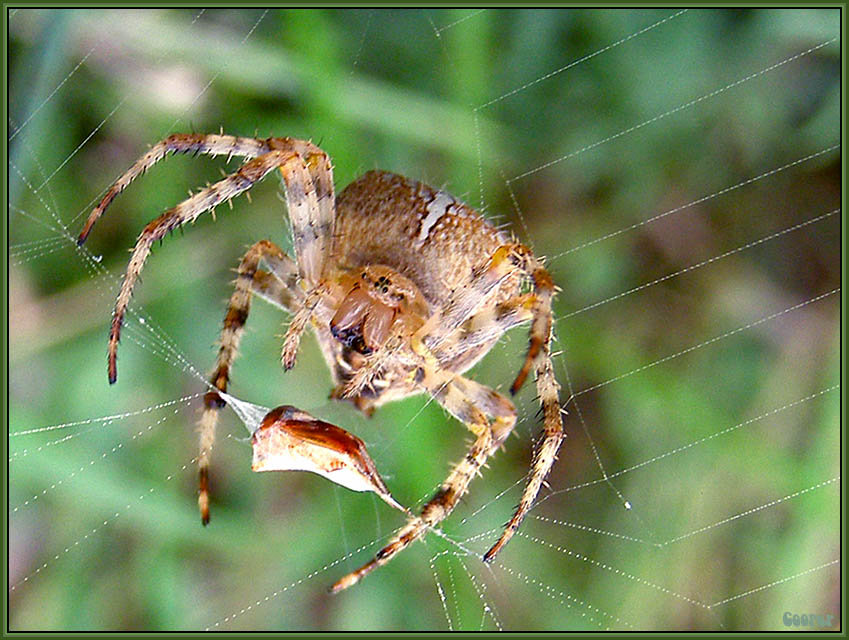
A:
{"x":97,"y":258}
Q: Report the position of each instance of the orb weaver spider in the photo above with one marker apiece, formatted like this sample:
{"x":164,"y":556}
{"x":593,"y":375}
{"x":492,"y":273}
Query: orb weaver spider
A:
{"x":405,"y":287}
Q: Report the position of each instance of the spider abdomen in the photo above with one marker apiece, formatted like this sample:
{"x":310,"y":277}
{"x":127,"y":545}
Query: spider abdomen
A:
{"x":424,"y":234}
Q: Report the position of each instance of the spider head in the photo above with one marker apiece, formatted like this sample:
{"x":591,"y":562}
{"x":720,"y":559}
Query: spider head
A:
{"x":375,"y":298}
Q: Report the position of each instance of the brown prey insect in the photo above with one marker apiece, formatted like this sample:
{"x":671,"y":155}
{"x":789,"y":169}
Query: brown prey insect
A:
{"x":405,"y":287}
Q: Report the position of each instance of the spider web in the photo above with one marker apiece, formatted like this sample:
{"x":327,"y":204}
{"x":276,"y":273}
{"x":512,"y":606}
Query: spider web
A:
{"x":679,"y":169}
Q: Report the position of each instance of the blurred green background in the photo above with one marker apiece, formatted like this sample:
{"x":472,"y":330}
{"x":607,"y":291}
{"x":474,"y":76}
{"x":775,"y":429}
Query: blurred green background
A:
{"x":713,"y":414}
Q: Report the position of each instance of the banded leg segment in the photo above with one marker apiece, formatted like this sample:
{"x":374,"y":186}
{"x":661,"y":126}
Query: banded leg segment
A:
{"x":213,"y":145}
{"x":505,"y":262}
{"x":540,"y":336}
{"x":312,"y":206}
{"x":546,"y":453}
{"x":485,"y":327}
{"x":538,"y":357}
{"x":250,"y":280}
{"x":294,"y":173}
{"x":298,"y":324}
{"x":470,"y":402}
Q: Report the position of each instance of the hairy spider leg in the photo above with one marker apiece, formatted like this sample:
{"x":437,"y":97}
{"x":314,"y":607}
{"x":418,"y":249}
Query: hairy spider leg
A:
{"x":538,"y":357}
{"x":465,"y":300}
{"x":312,"y":206}
{"x":486,"y":326}
{"x":279,"y":285}
{"x":207,"y":144}
{"x":470,"y":402}
{"x":291,"y":166}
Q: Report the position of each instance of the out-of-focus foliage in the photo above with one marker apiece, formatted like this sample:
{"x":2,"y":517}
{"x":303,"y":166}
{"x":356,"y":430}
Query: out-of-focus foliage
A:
{"x":572,"y":126}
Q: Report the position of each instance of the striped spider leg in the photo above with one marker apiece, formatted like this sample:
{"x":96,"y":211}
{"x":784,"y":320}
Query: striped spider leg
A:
{"x":308,"y":179}
{"x":406,"y":289}
{"x":457,"y":329}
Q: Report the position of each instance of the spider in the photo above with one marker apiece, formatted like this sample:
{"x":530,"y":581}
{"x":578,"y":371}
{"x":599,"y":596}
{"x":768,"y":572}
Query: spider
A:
{"x":405,"y":287}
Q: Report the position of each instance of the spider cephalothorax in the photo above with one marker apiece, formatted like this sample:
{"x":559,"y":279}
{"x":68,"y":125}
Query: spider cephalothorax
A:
{"x":405,"y":287}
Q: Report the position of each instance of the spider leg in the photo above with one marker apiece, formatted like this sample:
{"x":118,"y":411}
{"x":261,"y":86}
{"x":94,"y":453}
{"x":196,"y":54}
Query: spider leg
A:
{"x":483,"y":328}
{"x":297,"y":325}
{"x":277,"y":286}
{"x":537,"y":306}
{"x":467,"y":299}
{"x":312,"y":210}
{"x":540,"y":336}
{"x":294,"y":172}
{"x":470,"y":402}
{"x":213,"y":145}
{"x":538,"y":357}
{"x":311,"y":205}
